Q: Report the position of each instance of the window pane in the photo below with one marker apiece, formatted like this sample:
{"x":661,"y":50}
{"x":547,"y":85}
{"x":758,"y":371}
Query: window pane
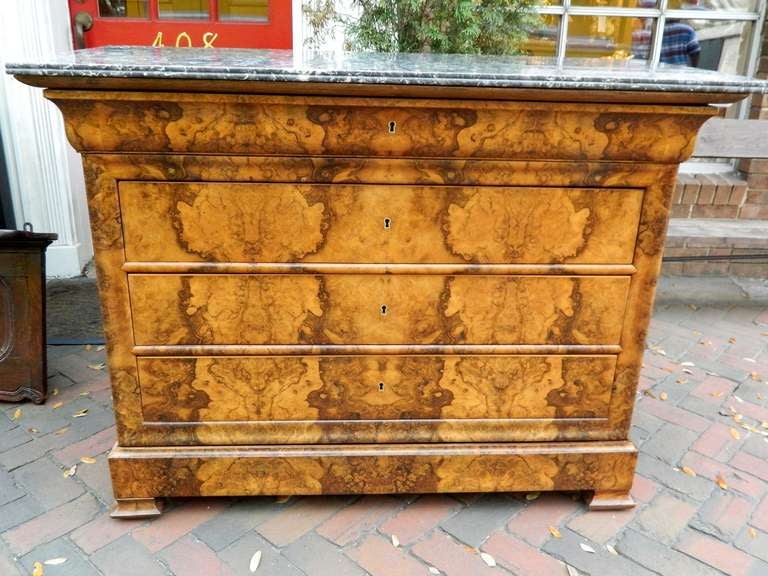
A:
{"x":714,"y":44}
{"x":542,"y":40}
{"x":244,"y":10}
{"x":183,"y":9}
{"x":123,"y":8}
{"x":616,"y":3}
{"x":721,"y":5}
{"x":614,"y":37}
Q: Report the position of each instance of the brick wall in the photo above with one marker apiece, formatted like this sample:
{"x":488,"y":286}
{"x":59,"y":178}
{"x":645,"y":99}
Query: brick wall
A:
{"x":742,"y":195}
{"x":711,"y":196}
{"x":755,"y":172}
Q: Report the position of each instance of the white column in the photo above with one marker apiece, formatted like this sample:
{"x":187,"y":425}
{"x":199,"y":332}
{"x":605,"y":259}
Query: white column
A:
{"x":45,"y":173}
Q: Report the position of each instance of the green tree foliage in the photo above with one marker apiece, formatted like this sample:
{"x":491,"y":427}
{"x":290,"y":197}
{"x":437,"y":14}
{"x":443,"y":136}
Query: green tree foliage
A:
{"x":446,"y":26}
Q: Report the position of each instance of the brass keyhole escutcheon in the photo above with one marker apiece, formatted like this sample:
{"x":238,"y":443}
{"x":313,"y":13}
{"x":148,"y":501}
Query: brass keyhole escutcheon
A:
{"x":387,"y":223}
{"x":381,"y":386}
{"x":384,"y":309}
{"x":392,"y":126}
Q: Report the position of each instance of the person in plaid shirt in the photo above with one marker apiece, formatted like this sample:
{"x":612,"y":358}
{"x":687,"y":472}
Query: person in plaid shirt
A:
{"x":678,"y":46}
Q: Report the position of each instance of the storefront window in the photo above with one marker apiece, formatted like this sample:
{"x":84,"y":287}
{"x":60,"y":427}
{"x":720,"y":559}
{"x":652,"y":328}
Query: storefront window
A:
{"x":712,"y":34}
{"x":613,"y":37}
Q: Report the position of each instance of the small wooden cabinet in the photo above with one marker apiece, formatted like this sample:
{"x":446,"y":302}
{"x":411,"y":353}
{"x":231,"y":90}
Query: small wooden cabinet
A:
{"x":22,"y":315}
{"x":349,"y":281}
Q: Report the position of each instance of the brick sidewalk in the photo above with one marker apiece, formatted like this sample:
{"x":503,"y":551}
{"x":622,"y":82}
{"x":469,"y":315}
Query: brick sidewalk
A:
{"x":703,"y":406}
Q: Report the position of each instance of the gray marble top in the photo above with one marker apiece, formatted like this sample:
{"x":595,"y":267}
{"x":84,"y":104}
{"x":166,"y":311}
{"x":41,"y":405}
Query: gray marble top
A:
{"x":374,"y":68}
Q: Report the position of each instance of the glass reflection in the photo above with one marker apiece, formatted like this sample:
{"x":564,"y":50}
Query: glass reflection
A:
{"x":183,"y":9}
{"x":244,"y":10}
{"x":123,"y":8}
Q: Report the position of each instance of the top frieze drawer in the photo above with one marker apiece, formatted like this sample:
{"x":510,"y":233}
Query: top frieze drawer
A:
{"x":375,"y":127}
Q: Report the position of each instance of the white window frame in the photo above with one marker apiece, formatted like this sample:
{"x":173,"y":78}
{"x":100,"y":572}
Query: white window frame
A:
{"x":660,"y":15}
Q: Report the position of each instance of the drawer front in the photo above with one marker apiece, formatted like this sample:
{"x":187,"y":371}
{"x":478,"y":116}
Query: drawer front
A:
{"x":230,"y":124}
{"x":226,"y":389}
{"x":365,"y":309}
{"x":227,"y":222}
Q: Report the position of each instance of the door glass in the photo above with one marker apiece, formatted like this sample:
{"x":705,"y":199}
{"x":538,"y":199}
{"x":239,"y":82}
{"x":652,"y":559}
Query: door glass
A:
{"x":244,"y":10}
{"x":123,"y":8}
{"x":183,"y":9}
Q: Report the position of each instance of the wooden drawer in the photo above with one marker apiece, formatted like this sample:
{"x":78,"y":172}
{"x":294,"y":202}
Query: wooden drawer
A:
{"x":370,"y":309}
{"x":210,"y":389}
{"x":229,"y":222}
{"x":234,"y":124}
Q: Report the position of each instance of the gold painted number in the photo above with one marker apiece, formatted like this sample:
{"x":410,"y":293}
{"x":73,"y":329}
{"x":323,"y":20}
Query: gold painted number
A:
{"x":208,"y":40}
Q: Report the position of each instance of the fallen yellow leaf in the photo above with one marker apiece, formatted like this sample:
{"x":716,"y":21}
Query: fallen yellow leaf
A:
{"x":62,"y":431}
{"x":80,"y":413}
{"x":716,"y":394}
{"x":532,"y":495}
{"x":738,"y":417}
{"x":735,"y":433}
{"x":732,"y":340}
{"x":720,"y":481}
{"x":17,"y":414}
{"x":649,"y":393}
{"x":37,"y":569}
{"x":554,"y":531}
{"x":663,"y":396}
{"x":55,"y":392}
{"x":688,"y":471}
{"x":682,"y":380}
{"x":99,"y":366}
{"x":88,"y":460}
{"x":57,"y":405}
{"x":282,"y":499}
{"x":70,"y":471}
{"x":395,"y":541}
{"x":752,"y":532}
{"x":755,"y":376}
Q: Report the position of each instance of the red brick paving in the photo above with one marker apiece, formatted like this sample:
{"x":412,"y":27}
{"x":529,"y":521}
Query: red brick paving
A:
{"x":707,"y":535}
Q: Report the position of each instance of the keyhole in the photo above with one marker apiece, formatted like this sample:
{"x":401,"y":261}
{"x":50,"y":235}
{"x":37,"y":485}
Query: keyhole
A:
{"x":381,"y":386}
{"x":383,"y":309}
{"x":387,"y":223}
{"x":392,"y":126}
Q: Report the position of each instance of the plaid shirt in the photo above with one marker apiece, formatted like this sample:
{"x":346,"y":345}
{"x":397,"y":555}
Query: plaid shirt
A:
{"x":677,"y":46}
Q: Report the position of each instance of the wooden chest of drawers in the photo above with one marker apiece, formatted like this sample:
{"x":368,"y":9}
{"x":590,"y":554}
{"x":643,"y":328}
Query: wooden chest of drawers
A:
{"x":315,"y":288}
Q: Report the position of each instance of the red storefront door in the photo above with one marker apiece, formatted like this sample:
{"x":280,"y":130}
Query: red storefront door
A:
{"x":197,"y":23}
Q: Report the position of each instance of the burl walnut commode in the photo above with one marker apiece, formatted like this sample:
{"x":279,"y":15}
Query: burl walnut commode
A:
{"x":374,"y":273}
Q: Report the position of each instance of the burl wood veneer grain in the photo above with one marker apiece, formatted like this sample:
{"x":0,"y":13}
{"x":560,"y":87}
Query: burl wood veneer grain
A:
{"x":463,"y":176}
{"x":104,"y":171}
{"x":373,"y":127}
{"x":348,"y":469}
{"x":374,"y":387}
{"x":368,"y":309}
{"x":230,"y":222}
